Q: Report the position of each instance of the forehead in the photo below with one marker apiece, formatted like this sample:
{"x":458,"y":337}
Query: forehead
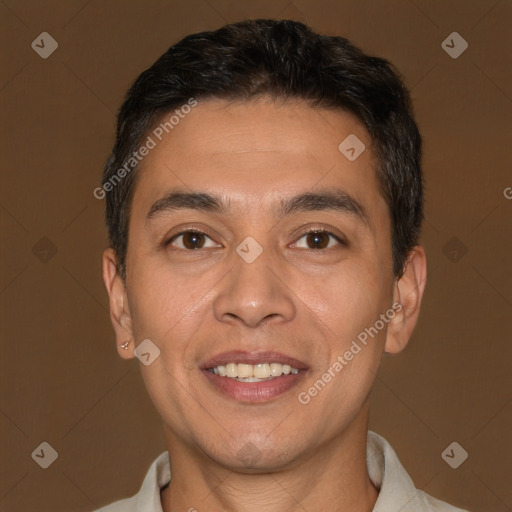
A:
{"x":255,"y":152}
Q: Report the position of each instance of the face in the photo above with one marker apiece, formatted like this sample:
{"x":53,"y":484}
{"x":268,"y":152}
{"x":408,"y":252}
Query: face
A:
{"x":280,"y":264}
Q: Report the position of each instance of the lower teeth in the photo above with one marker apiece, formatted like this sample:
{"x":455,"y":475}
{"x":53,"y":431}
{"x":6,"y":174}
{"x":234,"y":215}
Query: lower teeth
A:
{"x":251,"y":379}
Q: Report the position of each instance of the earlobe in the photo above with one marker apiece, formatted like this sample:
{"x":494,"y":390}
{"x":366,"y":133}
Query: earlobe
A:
{"x":119,"y":308}
{"x":408,"y":292}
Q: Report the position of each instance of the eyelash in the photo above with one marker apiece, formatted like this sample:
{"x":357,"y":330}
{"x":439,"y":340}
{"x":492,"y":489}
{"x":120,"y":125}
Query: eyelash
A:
{"x":309,"y":231}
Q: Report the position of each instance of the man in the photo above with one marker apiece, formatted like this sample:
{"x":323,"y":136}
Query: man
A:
{"x":264,"y":202}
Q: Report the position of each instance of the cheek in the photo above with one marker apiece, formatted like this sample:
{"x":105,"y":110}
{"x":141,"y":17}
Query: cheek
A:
{"x":170,"y":312}
{"x":162,"y":301}
{"x":349,"y":299}
{"x":347,"y":310}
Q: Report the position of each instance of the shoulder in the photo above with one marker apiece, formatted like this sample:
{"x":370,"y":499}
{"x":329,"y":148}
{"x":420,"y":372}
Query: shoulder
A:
{"x":396,"y":489}
{"x":435,"y":505}
{"x":148,"y":497}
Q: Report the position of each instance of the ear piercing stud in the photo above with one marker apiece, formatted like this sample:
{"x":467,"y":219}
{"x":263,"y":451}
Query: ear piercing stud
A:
{"x":125,"y":344}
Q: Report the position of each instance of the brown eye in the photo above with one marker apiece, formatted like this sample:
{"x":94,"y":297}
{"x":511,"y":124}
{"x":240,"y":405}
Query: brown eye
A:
{"x":319,"y":240}
{"x":193,"y":240}
{"x":190,"y":240}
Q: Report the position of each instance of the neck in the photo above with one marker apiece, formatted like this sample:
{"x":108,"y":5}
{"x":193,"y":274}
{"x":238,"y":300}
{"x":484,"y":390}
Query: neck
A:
{"x":334,"y":477}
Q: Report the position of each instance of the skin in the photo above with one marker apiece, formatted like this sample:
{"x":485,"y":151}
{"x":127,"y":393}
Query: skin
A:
{"x":305,"y":302}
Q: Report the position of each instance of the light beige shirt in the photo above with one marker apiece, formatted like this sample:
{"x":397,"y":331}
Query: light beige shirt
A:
{"x":396,"y":490}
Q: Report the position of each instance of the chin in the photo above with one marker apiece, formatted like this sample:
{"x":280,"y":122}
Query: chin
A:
{"x":255,"y":456}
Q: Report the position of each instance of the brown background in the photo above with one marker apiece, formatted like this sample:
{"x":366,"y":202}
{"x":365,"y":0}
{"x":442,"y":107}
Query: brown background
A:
{"x":62,"y":381}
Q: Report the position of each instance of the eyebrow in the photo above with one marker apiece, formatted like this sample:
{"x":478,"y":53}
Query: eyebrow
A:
{"x":332,"y":199}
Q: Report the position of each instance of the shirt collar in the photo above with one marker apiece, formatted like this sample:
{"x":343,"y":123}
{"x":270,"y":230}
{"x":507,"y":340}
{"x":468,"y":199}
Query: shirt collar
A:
{"x":396,"y":489}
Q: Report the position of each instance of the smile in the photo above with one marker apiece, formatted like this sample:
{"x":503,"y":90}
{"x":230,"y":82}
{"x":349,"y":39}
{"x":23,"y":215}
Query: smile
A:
{"x":253,"y":372}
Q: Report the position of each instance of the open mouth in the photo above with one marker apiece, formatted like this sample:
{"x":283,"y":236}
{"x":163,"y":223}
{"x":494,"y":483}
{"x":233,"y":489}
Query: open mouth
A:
{"x":260,"y":372}
{"x":253,"y":376}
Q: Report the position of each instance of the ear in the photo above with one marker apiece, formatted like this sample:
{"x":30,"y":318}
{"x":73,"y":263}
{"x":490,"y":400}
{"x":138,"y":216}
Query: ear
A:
{"x":408,"y":291}
{"x":119,"y":308}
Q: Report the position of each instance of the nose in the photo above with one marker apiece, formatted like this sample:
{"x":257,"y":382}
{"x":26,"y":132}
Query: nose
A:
{"x":254,"y":293}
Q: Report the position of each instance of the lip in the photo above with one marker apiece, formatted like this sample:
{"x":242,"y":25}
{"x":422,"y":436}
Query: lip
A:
{"x":244,"y":357}
{"x":252,"y":392}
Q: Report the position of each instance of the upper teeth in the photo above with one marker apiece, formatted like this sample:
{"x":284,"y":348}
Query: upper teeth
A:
{"x":259,"y":371}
